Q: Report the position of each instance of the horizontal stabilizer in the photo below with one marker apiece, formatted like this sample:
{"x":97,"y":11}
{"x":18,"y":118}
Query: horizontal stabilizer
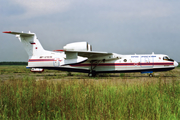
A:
{"x":30,"y":42}
{"x":20,"y":33}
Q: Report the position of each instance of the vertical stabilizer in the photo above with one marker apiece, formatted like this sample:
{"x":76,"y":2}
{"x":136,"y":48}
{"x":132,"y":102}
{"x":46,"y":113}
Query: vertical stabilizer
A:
{"x":30,"y":42}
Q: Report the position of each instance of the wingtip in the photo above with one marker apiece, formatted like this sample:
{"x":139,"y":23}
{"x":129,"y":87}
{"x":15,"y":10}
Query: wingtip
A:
{"x":7,"y":32}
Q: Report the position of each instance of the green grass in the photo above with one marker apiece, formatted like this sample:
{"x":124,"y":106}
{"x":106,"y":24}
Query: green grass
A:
{"x":86,"y":99}
{"x":58,"y":95}
{"x":7,"y":69}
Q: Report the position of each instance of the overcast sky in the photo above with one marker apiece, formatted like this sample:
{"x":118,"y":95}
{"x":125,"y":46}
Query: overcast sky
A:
{"x":119,"y":26}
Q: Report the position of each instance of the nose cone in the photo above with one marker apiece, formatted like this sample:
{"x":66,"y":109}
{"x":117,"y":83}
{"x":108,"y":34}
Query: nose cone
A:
{"x":175,"y":64}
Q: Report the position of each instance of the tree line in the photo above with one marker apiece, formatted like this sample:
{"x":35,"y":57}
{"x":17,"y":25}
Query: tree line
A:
{"x":13,"y":63}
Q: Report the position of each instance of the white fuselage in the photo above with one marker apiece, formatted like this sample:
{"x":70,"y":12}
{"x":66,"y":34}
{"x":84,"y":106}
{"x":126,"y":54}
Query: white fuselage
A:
{"x":125,"y":63}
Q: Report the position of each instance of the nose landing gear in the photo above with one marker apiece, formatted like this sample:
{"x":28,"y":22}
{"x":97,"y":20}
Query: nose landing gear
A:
{"x":150,"y":75}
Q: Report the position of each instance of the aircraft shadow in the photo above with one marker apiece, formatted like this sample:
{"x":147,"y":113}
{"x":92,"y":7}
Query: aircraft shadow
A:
{"x":130,"y":76}
{"x":105,"y":76}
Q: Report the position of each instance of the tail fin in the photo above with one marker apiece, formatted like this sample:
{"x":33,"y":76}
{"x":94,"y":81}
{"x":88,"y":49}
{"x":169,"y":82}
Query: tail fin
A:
{"x":30,"y":42}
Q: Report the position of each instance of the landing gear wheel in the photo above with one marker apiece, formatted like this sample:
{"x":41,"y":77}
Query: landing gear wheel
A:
{"x":150,"y":75}
{"x":92,"y":74}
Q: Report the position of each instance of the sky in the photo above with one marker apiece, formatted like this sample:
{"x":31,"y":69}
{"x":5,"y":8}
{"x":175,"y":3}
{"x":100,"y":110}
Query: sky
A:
{"x":118,"y":26}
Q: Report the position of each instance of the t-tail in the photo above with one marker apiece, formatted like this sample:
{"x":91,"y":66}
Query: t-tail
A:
{"x":30,"y":42}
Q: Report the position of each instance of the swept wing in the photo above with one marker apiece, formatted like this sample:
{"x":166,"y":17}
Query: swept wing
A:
{"x":94,"y":55}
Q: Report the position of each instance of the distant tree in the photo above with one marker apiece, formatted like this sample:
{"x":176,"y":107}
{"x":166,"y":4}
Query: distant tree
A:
{"x":13,"y":63}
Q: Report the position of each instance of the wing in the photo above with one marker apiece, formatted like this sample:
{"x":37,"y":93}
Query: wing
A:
{"x":93,"y":55}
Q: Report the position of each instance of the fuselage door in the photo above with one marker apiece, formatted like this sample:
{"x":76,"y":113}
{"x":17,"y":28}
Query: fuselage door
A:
{"x":146,"y":61}
{"x":56,"y":62}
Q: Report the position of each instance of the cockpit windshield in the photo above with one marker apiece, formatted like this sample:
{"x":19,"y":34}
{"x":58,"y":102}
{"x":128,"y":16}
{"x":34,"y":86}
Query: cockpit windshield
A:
{"x":167,"y":58}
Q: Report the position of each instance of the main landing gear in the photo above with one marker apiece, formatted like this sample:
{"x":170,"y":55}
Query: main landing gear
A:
{"x":94,"y":64}
{"x":92,"y":74}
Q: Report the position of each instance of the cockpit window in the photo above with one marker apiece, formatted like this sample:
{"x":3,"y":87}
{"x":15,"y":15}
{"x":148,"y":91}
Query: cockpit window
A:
{"x":167,"y":58}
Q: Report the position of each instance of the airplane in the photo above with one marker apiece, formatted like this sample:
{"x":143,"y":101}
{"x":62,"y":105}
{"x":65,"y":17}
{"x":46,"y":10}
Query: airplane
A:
{"x":79,"y":57}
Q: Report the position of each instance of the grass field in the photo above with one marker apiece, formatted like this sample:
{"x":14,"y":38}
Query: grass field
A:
{"x":61,"y":95}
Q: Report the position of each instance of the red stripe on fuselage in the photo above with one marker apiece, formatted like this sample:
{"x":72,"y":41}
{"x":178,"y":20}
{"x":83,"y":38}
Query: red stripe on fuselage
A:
{"x":41,"y":60}
{"x":105,"y":64}
{"x":124,"y":64}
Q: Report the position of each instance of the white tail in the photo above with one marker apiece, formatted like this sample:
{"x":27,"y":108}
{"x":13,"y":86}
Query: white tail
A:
{"x":30,"y":42}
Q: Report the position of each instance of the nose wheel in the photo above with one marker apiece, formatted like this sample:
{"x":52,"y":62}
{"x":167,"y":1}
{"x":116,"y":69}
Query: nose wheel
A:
{"x":150,"y":75}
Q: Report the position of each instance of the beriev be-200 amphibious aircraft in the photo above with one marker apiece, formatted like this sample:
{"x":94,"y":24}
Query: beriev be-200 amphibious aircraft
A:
{"x":79,"y":57}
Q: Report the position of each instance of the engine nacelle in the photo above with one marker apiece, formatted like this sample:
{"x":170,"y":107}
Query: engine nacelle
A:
{"x":78,"y":46}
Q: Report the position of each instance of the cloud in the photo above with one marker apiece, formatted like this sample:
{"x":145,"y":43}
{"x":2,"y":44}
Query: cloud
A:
{"x":128,"y":10}
{"x":130,"y":26}
{"x":43,"y":7}
{"x":105,"y":9}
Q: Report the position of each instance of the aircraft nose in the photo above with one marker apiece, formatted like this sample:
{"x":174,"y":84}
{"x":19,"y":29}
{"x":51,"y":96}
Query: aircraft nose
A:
{"x":175,"y":64}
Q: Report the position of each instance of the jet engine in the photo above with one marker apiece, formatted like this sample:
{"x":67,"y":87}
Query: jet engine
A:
{"x":78,"y":46}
